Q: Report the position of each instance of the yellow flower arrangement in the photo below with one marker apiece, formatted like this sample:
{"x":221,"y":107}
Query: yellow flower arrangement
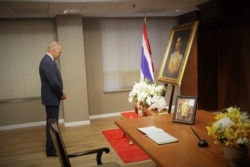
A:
{"x":231,"y":127}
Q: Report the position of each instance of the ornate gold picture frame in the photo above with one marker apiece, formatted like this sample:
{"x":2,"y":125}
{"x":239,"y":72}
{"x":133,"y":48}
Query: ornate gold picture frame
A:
{"x":177,"y":52}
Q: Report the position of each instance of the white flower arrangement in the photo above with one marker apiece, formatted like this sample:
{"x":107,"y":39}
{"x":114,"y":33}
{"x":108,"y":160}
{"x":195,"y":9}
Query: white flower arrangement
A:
{"x":148,"y":94}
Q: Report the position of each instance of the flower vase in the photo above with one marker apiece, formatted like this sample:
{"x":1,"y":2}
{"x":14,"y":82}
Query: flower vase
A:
{"x":136,"y":108}
{"x":139,"y":109}
{"x":235,"y":155}
{"x":146,"y":111}
{"x":152,"y":112}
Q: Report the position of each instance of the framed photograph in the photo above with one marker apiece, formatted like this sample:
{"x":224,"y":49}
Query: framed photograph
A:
{"x":185,"y":109}
{"x":177,"y":52}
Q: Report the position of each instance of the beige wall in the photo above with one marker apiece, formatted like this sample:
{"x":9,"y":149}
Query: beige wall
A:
{"x":99,"y":102}
{"x":21,"y":112}
{"x":73,"y":70}
{"x":82,"y":75}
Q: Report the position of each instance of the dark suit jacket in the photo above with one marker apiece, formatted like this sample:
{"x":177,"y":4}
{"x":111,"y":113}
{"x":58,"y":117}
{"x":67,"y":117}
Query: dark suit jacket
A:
{"x":51,"y":82}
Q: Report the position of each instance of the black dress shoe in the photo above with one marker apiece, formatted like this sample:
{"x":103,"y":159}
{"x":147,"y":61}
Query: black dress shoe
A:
{"x":52,"y":155}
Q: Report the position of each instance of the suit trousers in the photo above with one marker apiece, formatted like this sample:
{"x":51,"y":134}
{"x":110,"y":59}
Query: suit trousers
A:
{"x":52,"y":112}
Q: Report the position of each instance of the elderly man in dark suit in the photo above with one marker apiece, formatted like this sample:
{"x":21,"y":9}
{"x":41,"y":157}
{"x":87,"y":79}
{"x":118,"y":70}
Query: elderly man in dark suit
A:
{"x":51,"y":89}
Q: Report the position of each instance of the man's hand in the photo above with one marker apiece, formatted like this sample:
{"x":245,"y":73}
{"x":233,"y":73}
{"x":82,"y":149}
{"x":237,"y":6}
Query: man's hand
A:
{"x":63,"y":97}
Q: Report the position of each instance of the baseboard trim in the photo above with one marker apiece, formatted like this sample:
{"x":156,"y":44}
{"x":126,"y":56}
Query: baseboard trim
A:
{"x":77,"y":123}
{"x":105,"y":115}
{"x":66,"y":124}
{"x":25,"y":125}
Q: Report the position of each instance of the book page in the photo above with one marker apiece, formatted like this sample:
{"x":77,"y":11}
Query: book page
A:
{"x":158,"y":135}
{"x":150,"y":129}
{"x":162,"y":138}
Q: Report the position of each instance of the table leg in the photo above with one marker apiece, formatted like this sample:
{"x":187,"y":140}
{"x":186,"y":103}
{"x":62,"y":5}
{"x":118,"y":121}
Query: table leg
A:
{"x":130,"y":141}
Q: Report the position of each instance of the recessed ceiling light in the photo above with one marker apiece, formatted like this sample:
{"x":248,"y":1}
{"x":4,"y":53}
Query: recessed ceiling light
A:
{"x":71,"y":11}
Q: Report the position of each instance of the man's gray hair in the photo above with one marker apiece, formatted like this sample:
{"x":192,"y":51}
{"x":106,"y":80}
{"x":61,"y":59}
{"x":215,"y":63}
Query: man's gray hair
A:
{"x":53,"y":45}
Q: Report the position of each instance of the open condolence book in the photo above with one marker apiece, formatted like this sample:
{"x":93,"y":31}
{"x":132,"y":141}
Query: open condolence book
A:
{"x":158,"y":135}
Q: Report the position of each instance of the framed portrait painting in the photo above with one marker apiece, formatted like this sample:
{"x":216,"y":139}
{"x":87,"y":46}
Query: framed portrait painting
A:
{"x":177,"y":52}
{"x":185,"y":109}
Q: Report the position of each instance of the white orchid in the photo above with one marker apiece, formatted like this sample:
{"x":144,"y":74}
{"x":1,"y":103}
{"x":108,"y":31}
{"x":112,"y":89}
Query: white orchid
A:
{"x":157,"y":102}
{"x":148,"y":94}
{"x":224,"y":123}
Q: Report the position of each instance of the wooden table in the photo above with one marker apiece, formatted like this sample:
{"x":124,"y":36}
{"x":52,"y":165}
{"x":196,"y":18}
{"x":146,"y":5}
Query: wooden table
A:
{"x":129,"y":115}
{"x":185,"y":152}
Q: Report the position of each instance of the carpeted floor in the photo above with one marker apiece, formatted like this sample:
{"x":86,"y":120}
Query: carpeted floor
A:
{"x":128,"y":153}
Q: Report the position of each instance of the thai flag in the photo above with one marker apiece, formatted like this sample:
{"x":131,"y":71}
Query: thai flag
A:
{"x":147,"y":68}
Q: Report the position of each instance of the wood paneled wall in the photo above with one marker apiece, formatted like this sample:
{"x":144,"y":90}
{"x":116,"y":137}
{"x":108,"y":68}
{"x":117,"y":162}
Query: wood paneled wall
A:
{"x":223,"y":49}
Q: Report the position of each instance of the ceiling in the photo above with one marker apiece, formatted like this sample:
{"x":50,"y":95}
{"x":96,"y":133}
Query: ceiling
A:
{"x":96,"y":8}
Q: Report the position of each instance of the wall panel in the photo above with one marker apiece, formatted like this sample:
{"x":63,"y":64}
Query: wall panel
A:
{"x":22,"y":45}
